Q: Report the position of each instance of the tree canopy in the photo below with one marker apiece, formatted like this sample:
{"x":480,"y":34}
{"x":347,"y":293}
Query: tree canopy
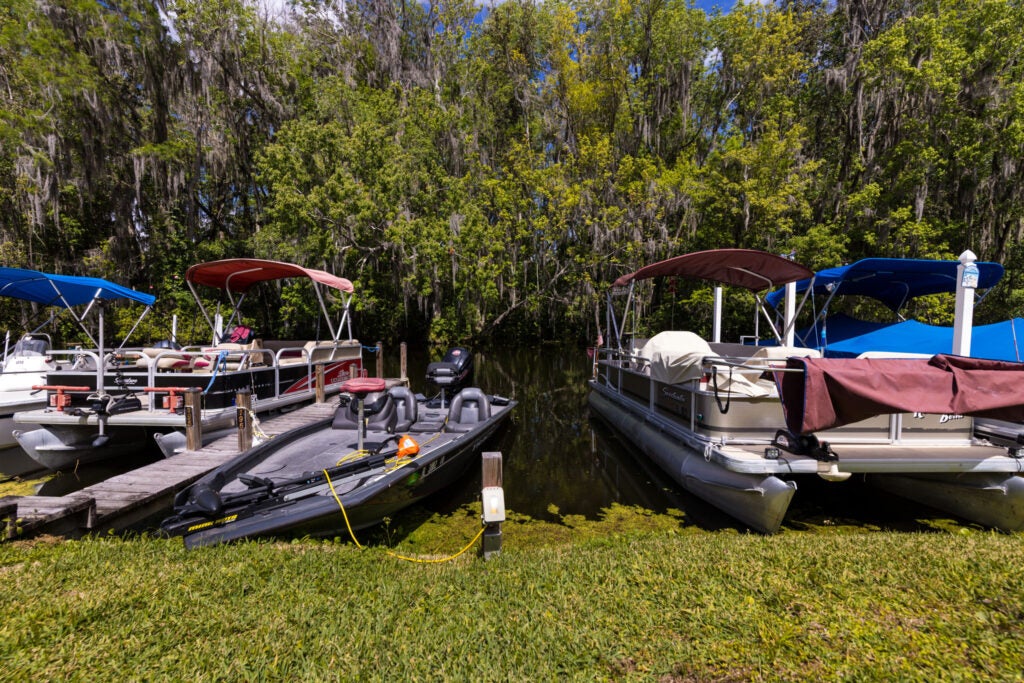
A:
{"x":486,"y":173}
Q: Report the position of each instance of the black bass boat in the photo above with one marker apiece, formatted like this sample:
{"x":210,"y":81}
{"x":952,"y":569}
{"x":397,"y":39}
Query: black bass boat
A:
{"x":384,"y":449}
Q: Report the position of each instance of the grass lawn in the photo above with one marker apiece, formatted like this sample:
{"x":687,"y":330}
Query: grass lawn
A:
{"x":634,"y":596}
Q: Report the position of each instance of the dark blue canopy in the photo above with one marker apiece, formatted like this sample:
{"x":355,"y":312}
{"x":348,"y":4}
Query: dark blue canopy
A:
{"x":63,"y":290}
{"x":892,"y":281}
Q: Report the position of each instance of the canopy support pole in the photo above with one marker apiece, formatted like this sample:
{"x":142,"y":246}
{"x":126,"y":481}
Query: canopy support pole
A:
{"x":966,"y":283}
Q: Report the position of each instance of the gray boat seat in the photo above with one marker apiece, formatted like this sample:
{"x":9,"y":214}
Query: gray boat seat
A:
{"x":469,"y":408}
{"x":379,"y":411}
{"x":406,"y":408}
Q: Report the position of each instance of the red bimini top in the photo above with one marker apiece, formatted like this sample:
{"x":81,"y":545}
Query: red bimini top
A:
{"x":749,"y":268}
{"x":240,"y":274}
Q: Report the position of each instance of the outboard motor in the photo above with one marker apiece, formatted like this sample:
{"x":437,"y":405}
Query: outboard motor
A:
{"x":454,"y":372}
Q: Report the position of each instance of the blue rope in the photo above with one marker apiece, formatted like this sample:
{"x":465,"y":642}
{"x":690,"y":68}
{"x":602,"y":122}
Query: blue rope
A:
{"x":371,"y":349}
{"x":216,"y":367}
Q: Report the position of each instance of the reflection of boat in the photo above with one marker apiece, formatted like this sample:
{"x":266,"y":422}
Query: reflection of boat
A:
{"x":711,"y":414}
{"x":334,"y":477}
{"x":141,"y":389}
{"x":32,"y":359}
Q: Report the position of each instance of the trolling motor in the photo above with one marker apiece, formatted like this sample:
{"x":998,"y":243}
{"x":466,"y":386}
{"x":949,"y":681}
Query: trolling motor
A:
{"x":453,"y":372}
{"x":103,"y":405}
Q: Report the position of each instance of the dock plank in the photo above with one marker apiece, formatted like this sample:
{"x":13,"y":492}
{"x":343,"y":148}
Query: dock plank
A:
{"x":123,"y":500}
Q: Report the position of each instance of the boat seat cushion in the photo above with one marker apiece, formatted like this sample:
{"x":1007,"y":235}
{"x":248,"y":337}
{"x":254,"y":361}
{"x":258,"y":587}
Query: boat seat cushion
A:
{"x":406,"y":407}
{"x":231,"y":356}
{"x":379,"y":411}
{"x":469,"y":408}
{"x":170,"y":360}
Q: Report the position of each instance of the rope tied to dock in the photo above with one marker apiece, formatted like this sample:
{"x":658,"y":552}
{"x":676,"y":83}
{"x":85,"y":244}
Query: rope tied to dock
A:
{"x":259,"y":436}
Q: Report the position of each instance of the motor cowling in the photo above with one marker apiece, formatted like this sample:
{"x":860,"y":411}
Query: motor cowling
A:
{"x":454,"y":371}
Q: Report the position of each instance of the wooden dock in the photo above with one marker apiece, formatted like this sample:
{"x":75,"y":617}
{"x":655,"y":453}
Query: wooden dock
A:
{"x":138,"y":498}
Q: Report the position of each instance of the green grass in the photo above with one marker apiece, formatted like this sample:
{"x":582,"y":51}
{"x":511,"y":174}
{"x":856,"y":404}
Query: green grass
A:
{"x":636,"y":596}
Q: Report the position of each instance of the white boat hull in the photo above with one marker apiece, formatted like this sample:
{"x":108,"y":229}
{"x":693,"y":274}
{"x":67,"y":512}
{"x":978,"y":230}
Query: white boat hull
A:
{"x":57,"y":449}
{"x":760,"y":501}
{"x":991,"y":499}
{"x":14,"y":461}
{"x":737,"y":423}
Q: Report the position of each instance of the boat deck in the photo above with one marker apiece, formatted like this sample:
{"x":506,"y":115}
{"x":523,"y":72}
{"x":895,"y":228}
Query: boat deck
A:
{"x":133,"y":499}
{"x":329,"y":447}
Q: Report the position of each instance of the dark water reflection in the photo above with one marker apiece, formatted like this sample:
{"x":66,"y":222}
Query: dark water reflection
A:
{"x":557,"y":459}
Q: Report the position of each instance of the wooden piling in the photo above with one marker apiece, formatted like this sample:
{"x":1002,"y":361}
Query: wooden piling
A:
{"x":404,"y":375}
{"x":491,"y":475}
{"x":491,"y":463}
{"x":320,"y":383}
{"x":380,"y":359}
{"x":193,"y":419}
{"x":243,"y":404}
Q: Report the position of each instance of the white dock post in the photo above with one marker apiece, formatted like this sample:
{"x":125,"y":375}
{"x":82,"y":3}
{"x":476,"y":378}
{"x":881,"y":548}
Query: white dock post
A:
{"x":966,"y":283}
{"x":493,"y":497}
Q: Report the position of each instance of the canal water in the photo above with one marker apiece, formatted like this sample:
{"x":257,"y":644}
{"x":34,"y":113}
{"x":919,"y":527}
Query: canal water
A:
{"x":559,"y":460}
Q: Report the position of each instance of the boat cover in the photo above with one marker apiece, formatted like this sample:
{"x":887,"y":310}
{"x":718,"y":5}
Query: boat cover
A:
{"x":822,"y":393}
{"x":677,"y":357}
{"x":64,"y":291}
{"x":893,"y":281}
{"x":240,"y":274}
{"x":836,"y":328}
{"x":998,"y":341}
{"x":749,"y":268}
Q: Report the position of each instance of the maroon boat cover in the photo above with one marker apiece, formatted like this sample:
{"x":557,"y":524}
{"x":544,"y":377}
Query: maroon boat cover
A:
{"x":755,"y":270}
{"x":831,"y":392}
{"x":239,"y":274}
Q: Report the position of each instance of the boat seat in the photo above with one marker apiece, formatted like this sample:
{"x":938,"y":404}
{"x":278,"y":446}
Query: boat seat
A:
{"x":171,"y":360}
{"x":469,"y":408}
{"x":406,"y":408}
{"x":228,"y":356}
{"x":312,"y":352}
{"x":379,"y":411}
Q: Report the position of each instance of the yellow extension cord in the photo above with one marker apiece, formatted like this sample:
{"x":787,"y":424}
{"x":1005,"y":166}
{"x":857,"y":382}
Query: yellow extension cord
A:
{"x":393,"y":554}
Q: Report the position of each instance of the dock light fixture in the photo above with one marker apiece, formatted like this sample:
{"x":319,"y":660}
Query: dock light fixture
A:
{"x":494,"y":504}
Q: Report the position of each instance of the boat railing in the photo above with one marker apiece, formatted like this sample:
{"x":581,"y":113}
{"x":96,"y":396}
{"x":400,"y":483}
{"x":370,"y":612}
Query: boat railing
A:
{"x":749,"y":366}
{"x":198,"y":360}
{"x":722,"y":375}
{"x":76,"y":358}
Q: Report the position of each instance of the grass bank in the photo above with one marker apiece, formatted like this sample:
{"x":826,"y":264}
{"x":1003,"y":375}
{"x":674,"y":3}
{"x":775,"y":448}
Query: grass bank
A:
{"x":633,"y":597}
